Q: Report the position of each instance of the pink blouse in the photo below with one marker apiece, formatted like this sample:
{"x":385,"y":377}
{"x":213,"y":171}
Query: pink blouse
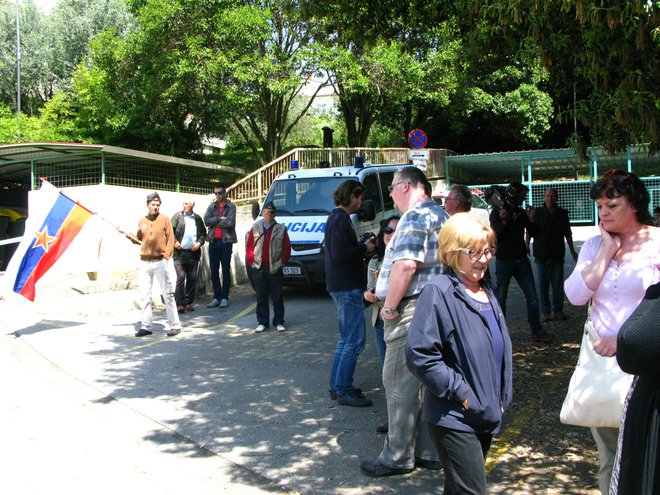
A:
{"x":622,"y":288}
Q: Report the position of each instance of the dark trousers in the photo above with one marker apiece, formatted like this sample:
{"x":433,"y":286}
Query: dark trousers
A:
{"x":521,"y":270}
{"x":220,"y":254}
{"x":186,"y":277}
{"x":463,"y":457}
{"x":269,"y":284}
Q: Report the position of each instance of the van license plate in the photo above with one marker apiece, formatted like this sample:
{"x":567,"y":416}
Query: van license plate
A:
{"x":291,"y":270}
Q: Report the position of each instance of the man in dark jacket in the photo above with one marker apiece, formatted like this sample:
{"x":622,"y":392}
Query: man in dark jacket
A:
{"x":344,"y":268}
{"x":189,"y":236}
{"x":510,"y":223}
{"x":220,"y":219}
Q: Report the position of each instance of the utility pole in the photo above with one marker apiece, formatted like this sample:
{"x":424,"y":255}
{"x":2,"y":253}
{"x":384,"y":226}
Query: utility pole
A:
{"x":18,"y":68}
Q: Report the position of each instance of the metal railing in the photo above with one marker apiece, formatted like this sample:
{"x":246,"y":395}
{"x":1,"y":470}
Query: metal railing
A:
{"x":254,"y":186}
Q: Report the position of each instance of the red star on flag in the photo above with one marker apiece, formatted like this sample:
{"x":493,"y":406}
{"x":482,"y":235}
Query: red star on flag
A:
{"x":43,"y":239}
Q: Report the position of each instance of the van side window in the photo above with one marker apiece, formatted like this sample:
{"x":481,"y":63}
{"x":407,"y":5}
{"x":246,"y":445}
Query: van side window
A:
{"x":370,"y":183}
{"x":386,"y":179}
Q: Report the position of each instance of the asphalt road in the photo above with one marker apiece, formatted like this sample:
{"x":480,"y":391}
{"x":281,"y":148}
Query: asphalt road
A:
{"x":218,"y":409}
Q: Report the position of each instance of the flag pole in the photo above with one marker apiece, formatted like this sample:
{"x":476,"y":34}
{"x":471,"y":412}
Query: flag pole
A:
{"x":128,"y":235}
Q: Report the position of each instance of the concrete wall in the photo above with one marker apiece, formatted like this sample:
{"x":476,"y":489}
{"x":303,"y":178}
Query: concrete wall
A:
{"x":108,"y":257}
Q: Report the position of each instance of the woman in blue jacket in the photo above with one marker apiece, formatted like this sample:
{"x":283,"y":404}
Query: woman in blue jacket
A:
{"x":459,"y":347}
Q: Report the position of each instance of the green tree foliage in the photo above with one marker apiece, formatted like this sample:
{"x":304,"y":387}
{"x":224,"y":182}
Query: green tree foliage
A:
{"x":607,"y":49}
{"x":198,"y":68}
{"x":406,"y":65}
{"x":51,"y":45}
{"x":32,"y":128}
{"x":36,"y":81}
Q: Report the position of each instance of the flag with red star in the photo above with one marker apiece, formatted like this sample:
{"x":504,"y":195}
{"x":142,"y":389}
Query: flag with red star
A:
{"x":49,"y":240}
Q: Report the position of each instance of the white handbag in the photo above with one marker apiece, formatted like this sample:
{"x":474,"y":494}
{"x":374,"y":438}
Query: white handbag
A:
{"x":597,"y":388}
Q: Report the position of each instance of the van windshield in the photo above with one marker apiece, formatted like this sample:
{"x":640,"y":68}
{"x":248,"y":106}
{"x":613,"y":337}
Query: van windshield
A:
{"x":304,"y":196}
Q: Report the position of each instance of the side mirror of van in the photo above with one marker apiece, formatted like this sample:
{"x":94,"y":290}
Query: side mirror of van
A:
{"x":255,"y":210}
{"x":367,"y":211}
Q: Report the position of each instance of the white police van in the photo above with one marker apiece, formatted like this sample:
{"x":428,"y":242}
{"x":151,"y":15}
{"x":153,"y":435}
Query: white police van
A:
{"x":304,"y":199}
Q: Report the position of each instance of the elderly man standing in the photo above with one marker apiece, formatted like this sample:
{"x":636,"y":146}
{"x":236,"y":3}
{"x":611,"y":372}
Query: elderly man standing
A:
{"x":267,"y":250}
{"x":220,"y":219}
{"x":189,"y":236}
{"x":157,"y":243}
{"x":458,"y":200}
{"x":411,"y":259}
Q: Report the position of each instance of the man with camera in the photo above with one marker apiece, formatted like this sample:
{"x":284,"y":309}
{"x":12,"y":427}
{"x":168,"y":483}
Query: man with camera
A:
{"x":510,"y":221}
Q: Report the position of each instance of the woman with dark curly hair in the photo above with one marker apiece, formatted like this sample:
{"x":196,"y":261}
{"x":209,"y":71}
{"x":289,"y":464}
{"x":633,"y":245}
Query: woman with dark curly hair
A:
{"x":613,"y":271}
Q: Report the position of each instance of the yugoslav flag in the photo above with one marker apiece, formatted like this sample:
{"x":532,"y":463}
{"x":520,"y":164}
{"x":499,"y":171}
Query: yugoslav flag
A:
{"x":45,"y":240}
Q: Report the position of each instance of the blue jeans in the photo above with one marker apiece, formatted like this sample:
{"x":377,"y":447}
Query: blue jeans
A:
{"x":220,"y":254}
{"x":551,"y":276}
{"x":352,"y":334}
{"x":521,"y":270}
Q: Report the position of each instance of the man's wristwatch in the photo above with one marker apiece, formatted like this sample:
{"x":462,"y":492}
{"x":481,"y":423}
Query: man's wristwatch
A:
{"x":389,"y":311}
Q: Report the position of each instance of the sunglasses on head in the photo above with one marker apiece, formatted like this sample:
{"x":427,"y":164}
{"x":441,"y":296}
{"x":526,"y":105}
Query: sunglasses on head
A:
{"x":388,"y":230}
{"x":619,"y":174}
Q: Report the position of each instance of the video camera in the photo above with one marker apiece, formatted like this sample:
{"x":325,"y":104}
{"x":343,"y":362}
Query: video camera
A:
{"x":509,"y":198}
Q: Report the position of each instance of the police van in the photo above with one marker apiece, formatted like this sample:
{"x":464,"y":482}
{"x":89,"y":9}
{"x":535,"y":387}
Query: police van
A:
{"x":304,"y":199}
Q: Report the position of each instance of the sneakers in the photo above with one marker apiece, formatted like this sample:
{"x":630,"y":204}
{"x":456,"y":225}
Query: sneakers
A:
{"x":260,"y":329}
{"x":543,"y":337}
{"x":224,"y":303}
{"x":280,"y":328}
{"x":377,"y":469}
{"x":354,"y":400}
{"x":173,"y":332}
{"x":213,"y":304}
{"x":143,"y":332}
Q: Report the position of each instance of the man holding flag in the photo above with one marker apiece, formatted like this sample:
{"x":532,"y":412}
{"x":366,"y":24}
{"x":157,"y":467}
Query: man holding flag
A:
{"x":157,"y":245}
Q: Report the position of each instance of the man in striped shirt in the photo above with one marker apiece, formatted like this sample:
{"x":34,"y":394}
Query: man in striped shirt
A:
{"x":411,"y":259}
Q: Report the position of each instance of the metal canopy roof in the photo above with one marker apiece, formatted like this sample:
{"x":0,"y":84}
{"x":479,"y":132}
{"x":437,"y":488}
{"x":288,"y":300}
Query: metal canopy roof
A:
{"x":551,"y":161}
{"x":16,"y":159}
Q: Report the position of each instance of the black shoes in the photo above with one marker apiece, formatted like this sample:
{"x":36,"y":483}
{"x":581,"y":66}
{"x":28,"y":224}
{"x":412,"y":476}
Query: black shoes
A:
{"x":376,"y":469}
{"x":333,"y":393}
{"x":543,"y":337}
{"x":353,"y":399}
{"x":384,"y":428}
{"x":143,"y":332}
{"x":427,"y":464}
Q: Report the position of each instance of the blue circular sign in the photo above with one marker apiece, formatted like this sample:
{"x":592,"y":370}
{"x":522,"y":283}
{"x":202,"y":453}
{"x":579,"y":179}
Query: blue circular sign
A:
{"x":418,"y":139}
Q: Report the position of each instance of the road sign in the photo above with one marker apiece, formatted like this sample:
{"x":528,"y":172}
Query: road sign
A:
{"x":418,"y":139}
{"x":418,"y":154}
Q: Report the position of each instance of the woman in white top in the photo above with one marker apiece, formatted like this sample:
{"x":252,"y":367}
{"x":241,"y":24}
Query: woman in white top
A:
{"x":614,"y":270}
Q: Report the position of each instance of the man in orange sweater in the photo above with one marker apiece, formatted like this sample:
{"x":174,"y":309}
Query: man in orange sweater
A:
{"x":157,"y":238}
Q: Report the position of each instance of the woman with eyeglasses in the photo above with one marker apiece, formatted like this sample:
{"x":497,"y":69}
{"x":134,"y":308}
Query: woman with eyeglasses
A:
{"x":459,"y":347}
{"x":387,"y":229}
{"x":613,"y":271}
